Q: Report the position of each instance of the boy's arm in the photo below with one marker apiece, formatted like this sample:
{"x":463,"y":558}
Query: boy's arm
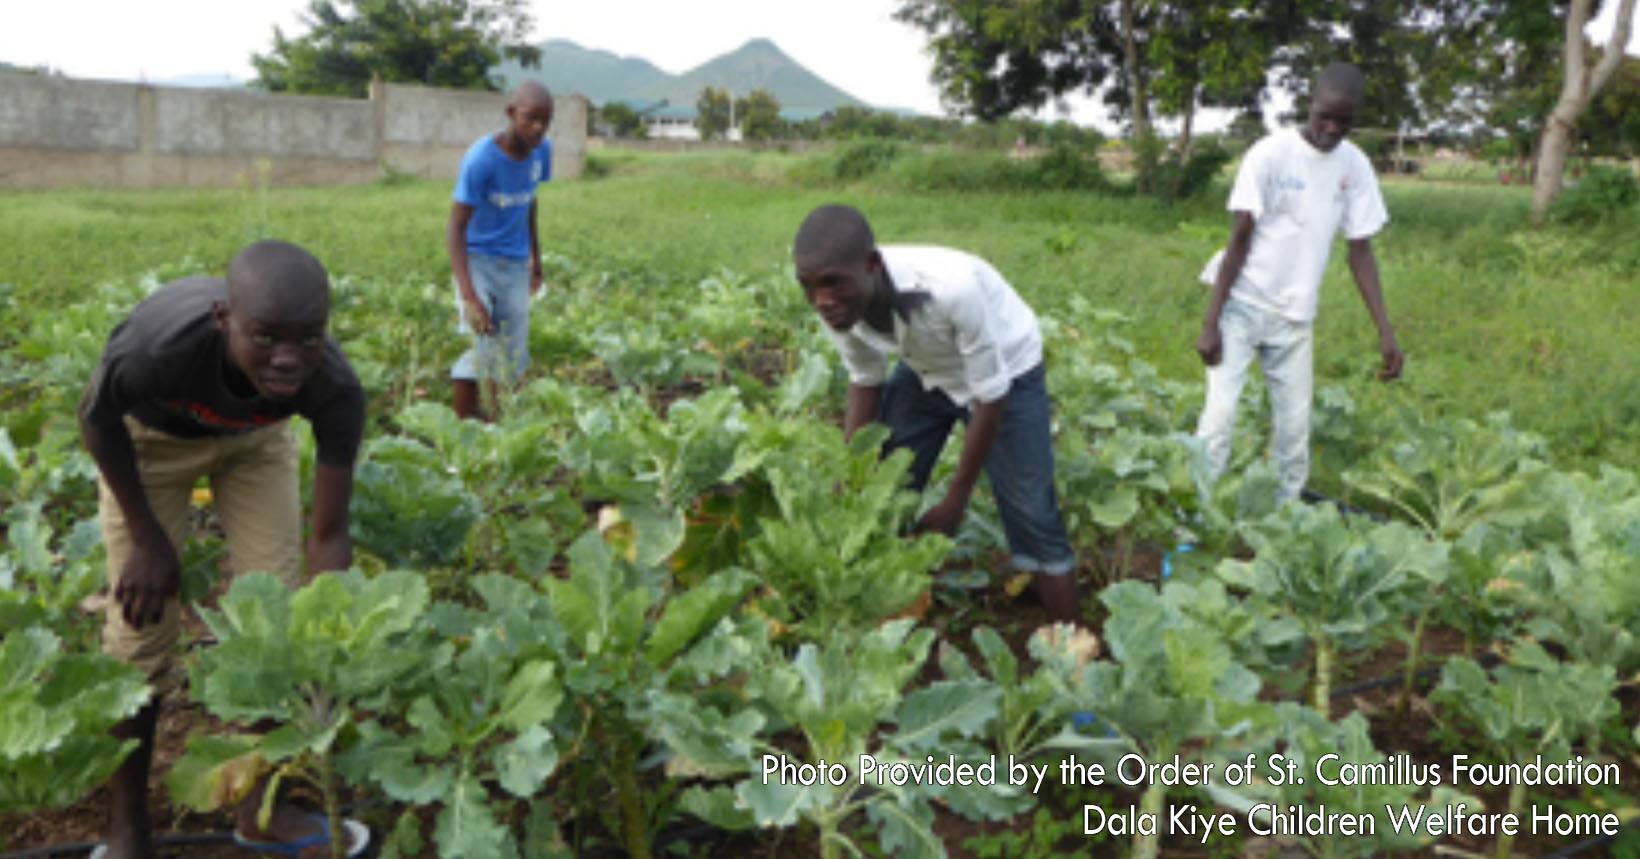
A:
{"x":455,"y":241}
{"x":1210,"y":346}
{"x":983,"y":421}
{"x":338,"y":428}
{"x":988,"y":378}
{"x":861,"y":408}
{"x":330,"y":547}
{"x":1364,"y":265}
{"x":535,"y":252}
{"x":152,"y":572}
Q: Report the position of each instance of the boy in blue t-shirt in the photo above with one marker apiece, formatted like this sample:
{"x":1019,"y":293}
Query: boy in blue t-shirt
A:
{"x":494,"y":248}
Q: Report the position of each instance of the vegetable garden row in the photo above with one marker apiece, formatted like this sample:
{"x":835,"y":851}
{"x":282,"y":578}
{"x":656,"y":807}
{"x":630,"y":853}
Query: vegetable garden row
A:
{"x":662,"y":584}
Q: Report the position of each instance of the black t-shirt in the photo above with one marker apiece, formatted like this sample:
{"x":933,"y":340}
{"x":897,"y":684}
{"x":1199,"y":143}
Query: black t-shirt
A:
{"x":167,"y":366}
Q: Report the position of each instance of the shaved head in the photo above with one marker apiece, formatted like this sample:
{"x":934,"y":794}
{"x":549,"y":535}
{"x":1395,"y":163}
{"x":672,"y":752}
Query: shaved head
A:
{"x":531,"y":94}
{"x":274,"y":320}
{"x":835,"y":234}
{"x":1342,"y":80}
{"x":279,"y":280}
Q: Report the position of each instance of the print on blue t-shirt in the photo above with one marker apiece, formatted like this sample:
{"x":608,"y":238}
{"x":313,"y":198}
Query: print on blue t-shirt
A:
{"x":500,"y":191}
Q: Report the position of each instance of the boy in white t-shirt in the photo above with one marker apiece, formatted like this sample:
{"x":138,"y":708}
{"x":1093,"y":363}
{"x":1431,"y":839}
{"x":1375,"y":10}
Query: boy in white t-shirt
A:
{"x":1295,"y":189}
{"x":969,"y":350}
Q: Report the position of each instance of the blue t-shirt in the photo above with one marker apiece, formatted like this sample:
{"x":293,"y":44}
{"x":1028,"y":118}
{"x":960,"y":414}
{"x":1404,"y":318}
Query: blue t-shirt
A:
{"x":500,"y":191}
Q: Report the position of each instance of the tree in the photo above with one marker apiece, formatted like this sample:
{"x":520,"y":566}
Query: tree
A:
{"x":712,"y":112}
{"x":1612,"y":124}
{"x":1210,"y":54}
{"x":449,"y":43}
{"x":621,"y":119}
{"x":1581,"y":82}
{"x":993,"y":59}
{"x":38,"y":71}
{"x":759,"y":116}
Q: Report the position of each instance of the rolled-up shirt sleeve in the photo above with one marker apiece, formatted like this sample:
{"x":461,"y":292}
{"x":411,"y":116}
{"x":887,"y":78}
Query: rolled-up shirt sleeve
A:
{"x":983,"y":365}
{"x":867,"y":367}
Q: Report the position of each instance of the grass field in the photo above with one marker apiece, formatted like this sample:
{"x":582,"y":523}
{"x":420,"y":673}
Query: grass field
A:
{"x":1492,"y":313}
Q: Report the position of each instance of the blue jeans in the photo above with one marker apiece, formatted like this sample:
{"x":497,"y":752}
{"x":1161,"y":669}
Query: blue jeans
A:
{"x":503,"y":284}
{"x":1019,"y":466}
{"x":1284,"y":348}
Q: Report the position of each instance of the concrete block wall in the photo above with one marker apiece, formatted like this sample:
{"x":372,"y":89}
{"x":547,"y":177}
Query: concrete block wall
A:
{"x":61,"y":132}
{"x":426,"y":130}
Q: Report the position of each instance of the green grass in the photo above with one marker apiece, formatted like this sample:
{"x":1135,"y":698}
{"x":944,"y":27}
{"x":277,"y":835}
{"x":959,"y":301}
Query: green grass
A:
{"x":1492,"y":313}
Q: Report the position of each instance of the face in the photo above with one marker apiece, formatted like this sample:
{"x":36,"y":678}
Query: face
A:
{"x":839,"y":292}
{"x":276,"y":352}
{"x":529,"y":120}
{"x":1331,"y":118}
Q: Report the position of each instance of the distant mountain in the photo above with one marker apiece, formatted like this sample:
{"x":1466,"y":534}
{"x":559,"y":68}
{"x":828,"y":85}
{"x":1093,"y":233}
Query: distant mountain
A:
{"x":757,"y":64}
{"x":219,"y":80}
{"x":601,"y":76}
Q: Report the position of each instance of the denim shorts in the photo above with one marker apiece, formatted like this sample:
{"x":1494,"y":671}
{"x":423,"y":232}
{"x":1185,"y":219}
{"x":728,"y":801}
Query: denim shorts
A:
{"x":1019,"y":467}
{"x":503,"y":284}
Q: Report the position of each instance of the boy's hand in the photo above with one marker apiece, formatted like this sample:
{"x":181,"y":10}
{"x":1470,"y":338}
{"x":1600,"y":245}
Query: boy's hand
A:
{"x":535,"y":277}
{"x":1393,"y":359}
{"x":1210,"y":345}
{"x":152,"y":575}
{"x":942,"y":518}
{"x":479,"y":317}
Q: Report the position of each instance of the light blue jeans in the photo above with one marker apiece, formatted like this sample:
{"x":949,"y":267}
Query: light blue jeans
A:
{"x":1284,"y":350}
{"x":503,"y":284}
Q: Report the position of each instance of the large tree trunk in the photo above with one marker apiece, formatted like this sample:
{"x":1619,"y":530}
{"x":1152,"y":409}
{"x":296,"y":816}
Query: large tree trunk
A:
{"x":1579,"y":87}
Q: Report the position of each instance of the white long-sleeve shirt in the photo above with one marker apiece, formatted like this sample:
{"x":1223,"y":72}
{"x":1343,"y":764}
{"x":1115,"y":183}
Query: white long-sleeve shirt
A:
{"x":970,"y":337}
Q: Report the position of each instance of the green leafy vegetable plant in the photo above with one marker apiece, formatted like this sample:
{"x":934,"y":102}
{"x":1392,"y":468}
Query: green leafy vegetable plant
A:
{"x":621,"y":629}
{"x":1172,"y":683}
{"x":1342,"y":581}
{"x":55,"y":712}
{"x":831,"y":555}
{"x":480,"y":710}
{"x":405,"y":508}
{"x":839,"y":695}
{"x":308,"y":662}
{"x":1450,"y":474}
{"x":1531,"y":704}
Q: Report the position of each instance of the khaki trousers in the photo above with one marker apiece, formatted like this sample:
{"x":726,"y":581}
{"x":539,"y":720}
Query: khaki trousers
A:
{"x":254,"y":484}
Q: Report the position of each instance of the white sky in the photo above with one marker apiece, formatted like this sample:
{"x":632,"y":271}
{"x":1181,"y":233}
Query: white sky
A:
{"x":854,"y":44}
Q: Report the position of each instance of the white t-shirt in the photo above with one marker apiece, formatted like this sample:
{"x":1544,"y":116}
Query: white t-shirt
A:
{"x":969,"y":337}
{"x":1299,"y":197}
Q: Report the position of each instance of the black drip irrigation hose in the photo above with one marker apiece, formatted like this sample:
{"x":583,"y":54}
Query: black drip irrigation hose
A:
{"x":1310,"y":496}
{"x":690,"y":834}
{"x":180,"y":839}
{"x":1487,"y":660}
{"x":84,"y":848}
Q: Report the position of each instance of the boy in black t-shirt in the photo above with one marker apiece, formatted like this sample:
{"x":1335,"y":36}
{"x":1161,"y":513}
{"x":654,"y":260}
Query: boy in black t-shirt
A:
{"x":199,"y":380}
